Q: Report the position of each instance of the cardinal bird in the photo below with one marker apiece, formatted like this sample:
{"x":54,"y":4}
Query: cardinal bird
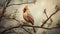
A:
{"x":28,"y":17}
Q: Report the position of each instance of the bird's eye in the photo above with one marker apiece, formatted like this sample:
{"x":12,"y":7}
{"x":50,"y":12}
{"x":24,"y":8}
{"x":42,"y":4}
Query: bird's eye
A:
{"x":24,"y":10}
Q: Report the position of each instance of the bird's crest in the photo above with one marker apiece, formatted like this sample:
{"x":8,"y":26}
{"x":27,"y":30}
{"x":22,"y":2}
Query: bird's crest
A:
{"x":25,"y":8}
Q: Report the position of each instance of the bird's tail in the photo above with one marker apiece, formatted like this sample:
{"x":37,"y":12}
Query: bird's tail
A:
{"x":34,"y":30}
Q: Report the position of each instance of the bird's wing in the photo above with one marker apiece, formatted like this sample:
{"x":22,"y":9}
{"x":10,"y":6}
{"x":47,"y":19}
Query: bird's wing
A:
{"x":30,"y":18}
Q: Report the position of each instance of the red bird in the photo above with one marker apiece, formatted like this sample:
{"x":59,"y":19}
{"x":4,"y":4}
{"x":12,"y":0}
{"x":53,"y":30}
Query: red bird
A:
{"x":28,"y":17}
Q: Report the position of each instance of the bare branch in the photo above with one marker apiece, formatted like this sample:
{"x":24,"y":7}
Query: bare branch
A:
{"x":29,"y":26}
{"x":26,"y":30}
{"x":20,"y":4}
{"x":47,"y":15}
{"x":24,"y":25}
{"x":57,"y":10}
{"x":4,"y":8}
{"x":34,"y":1}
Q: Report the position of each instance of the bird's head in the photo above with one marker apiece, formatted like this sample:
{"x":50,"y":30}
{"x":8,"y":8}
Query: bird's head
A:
{"x":25,"y":8}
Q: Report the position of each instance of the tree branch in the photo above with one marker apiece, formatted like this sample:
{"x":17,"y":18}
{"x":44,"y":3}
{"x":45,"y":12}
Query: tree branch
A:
{"x":4,"y":8}
{"x":20,"y":4}
{"x":24,"y":25}
{"x":6,"y":5}
{"x":26,"y":30}
{"x":49,"y":18}
{"x":47,"y":15}
{"x":34,"y":26}
{"x":18,"y":27}
{"x":28,"y":26}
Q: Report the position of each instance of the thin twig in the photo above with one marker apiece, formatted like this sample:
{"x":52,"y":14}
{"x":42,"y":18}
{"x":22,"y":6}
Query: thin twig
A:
{"x":29,"y":26}
{"x":49,"y":18}
{"x":19,"y":4}
{"x":26,"y":30}
{"x":47,"y":15}
{"x":4,"y":9}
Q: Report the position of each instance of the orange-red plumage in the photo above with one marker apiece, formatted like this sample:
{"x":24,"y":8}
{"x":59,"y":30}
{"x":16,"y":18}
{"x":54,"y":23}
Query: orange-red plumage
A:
{"x":28,"y":17}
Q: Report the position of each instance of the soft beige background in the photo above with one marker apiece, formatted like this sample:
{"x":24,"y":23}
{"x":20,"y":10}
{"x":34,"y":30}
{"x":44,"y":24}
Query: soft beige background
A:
{"x":37,"y":12}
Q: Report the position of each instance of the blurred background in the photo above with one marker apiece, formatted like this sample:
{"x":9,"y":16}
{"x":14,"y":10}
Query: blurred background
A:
{"x":37,"y":11}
